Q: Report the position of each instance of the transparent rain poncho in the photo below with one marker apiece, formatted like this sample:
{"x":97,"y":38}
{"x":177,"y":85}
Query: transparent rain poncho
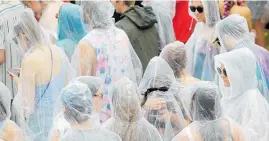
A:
{"x":60,"y":125}
{"x":78,"y":110}
{"x":242,"y":101}
{"x":106,"y":51}
{"x":71,"y":28}
{"x":9,"y":130}
{"x":157,"y":80}
{"x":175,"y":55}
{"x":127,"y":119}
{"x":44,"y":72}
{"x":208,"y":123}
{"x":233,"y":33}
{"x":165,"y":12}
{"x":201,"y":47}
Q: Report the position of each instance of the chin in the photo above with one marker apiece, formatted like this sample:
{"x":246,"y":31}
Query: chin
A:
{"x":227,"y":85}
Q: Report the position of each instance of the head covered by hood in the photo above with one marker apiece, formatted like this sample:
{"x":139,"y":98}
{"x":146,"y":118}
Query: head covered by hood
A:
{"x":98,"y":14}
{"x":142,"y":17}
{"x":211,"y":9}
{"x":241,"y":75}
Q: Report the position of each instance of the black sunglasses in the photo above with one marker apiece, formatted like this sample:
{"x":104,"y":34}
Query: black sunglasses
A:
{"x":200,"y":9}
{"x":220,"y":71}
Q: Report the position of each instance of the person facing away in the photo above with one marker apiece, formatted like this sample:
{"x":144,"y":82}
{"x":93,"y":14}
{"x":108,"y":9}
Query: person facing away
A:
{"x":241,"y":99}
{"x":200,"y":47}
{"x":77,"y":107}
{"x":139,"y":24}
{"x":127,"y":118}
{"x":233,"y":33}
{"x":161,"y":108}
{"x":71,"y":28}
{"x":9,"y":131}
{"x":45,"y":70}
{"x":105,"y":51}
{"x":208,"y":122}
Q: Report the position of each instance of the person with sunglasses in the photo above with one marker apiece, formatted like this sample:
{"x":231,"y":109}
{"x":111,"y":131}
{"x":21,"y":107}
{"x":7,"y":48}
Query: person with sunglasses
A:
{"x":241,"y":99}
{"x":233,"y":33}
{"x":201,"y":47}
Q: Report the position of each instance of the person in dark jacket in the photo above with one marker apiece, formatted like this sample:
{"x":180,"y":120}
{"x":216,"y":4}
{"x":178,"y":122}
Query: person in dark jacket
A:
{"x":139,"y":24}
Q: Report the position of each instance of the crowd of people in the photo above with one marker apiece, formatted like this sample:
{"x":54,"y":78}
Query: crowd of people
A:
{"x":169,"y":70}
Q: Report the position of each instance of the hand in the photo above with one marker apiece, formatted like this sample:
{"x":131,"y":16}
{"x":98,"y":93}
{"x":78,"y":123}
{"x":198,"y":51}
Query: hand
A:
{"x":14,"y":77}
{"x":155,"y":104}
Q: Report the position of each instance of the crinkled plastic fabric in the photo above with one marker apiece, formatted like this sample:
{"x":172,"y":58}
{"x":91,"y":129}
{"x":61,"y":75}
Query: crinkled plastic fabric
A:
{"x":45,"y":71}
{"x":169,"y":119}
{"x":208,"y":123}
{"x":71,"y":28}
{"x":78,"y":110}
{"x":201,"y":47}
{"x":113,"y":56}
{"x":242,"y":101}
{"x":233,"y":33}
{"x":164,"y":11}
{"x":175,"y":55}
{"x":127,"y":119}
{"x":5,"y":102}
{"x":93,"y":83}
{"x":257,"y":8}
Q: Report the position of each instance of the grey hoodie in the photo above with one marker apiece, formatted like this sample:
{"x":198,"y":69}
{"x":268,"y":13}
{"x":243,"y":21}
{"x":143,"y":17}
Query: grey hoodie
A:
{"x":139,"y":25}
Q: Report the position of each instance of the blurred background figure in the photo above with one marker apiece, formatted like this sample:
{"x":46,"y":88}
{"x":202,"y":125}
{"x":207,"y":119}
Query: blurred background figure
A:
{"x":164,"y":11}
{"x":139,"y":25}
{"x":183,"y":23}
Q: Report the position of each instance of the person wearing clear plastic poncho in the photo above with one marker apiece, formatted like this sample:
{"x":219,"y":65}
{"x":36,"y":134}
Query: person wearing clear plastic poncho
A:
{"x":44,"y":72}
{"x":165,"y":12}
{"x":127,"y":119}
{"x":78,"y":110}
{"x":160,"y":105}
{"x":201,"y":47}
{"x":60,"y":125}
{"x":106,"y":51}
{"x":71,"y":28}
{"x":9,"y":131}
{"x":209,"y":124}
{"x":175,"y":55}
{"x":233,"y":33}
{"x":241,"y":99}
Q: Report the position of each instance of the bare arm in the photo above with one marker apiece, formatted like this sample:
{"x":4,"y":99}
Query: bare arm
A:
{"x":2,"y":56}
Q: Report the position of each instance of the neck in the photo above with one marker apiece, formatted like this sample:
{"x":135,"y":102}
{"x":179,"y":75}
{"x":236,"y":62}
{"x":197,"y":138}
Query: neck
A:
{"x":84,"y":126}
{"x":124,"y":9}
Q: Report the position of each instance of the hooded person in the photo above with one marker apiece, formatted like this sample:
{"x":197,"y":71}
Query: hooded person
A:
{"x":139,"y":24}
{"x":208,"y":124}
{"x":165,"y":12}
{"x":9,"y":131}
{"x":45,"y":70}
{"x":60,"y":125}
{"x":175,"y":55}
{"x":71,"y":28}
{"x":201,"y":47}
{"x":78,"y":110}
{"x":161,"y":108}
{"x":127,"y":118}
{"x":105,"y":51}
{"x":241,"y":99}
{"x":233,"y":33}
